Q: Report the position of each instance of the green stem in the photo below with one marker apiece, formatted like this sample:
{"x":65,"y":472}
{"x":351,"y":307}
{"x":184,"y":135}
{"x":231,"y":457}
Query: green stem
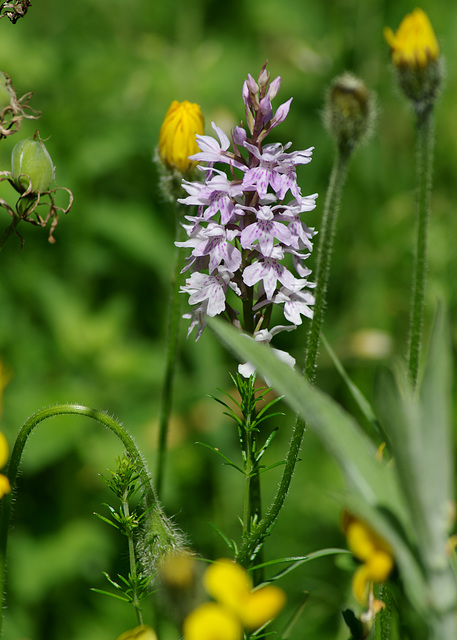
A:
{"x":174,"y":320}
{"x":164,"y":535}
{"x":252,"y":546}
{"x":324,"y":257}
{"x":424,"y":164}
{"x":132,"y":560}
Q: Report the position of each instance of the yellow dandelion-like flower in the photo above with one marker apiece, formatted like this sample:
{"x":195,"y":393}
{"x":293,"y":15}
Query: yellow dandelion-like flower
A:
{"x":177,"y":141}
{"x":143,"y":632}
{"x":374,"y":553}
{"x":414,"y":44}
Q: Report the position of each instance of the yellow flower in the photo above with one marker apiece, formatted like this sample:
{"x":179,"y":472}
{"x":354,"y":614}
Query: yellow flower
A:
{"x":238,"y":604}
{"x":415,"y":44}
{"x":177,"y":141}
{"x":229,"y":584}
{"x":177,"y":570}
{"x":143,"y":632}
{"x":374,"y":553}
{"x":212,"y":621}
{"x":4,"y":482}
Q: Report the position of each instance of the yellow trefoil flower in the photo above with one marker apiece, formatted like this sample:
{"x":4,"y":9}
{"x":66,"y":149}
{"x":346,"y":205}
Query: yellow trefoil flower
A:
{"x":415,"y":44}
{"x":236,"y":600}
{"x":5,"y":486}
{"x":177,"y":141}
{"x":374,"y":553}
{"x":143,"y":632}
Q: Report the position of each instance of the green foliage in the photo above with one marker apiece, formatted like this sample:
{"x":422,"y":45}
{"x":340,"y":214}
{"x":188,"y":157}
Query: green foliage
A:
{"x":84,"y":320}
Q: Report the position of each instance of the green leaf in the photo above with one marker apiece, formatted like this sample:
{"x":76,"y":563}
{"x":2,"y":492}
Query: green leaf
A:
{"x":361,"y":401}
{"x":435,"y":424}
{"x":418,"y":426}
{"x":289,"y":630}
{"x":297,"y":561}
{"x":113,"y":595}
{"x":231,"y":544}
{"x":227,"y":461}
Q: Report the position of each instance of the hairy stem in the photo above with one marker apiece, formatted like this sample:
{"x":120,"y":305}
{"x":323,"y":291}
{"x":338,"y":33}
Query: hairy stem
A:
{"x":424,"y":165}
{"x":132,"y":560}
{"x":324,"y":257}
{"x":174,"y":321}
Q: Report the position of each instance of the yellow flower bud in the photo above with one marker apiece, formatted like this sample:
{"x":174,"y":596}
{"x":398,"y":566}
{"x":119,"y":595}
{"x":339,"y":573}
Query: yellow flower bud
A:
{"x":177,"y":141}
{"x":415,"y":44}
{"x":31,"y":158}
{"x":416,"y":56}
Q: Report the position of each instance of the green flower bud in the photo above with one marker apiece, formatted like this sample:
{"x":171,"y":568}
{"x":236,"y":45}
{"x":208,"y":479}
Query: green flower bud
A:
{"x":5,"y":91}
{"x":31,"y":158}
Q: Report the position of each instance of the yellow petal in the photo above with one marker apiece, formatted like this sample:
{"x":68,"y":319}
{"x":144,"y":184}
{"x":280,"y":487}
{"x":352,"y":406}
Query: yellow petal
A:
{"x":143,"y":632}
{"x":380,"y":565}
{"x":228,"y":583}
{"x":360,"y":540}
{"x":3,"y":450}
{"x":360,"y":584}
{"x":414,"y":44}
{"x":5,"y":486}
{"x":177,"y":140}
{"x":262,"y":605}
{"x":211,"y":621}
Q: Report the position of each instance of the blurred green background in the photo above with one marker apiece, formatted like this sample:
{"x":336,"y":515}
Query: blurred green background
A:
{"x":84,"y":320}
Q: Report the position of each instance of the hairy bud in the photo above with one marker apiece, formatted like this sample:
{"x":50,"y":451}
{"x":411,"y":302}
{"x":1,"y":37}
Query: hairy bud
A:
{"x":349,"y":111}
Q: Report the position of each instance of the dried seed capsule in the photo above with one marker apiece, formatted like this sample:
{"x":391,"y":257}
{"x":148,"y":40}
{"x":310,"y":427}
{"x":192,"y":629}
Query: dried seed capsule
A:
{"x":31,"y":158}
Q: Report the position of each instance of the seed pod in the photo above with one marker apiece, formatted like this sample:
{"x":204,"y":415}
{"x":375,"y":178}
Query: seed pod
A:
{"x":31,"y":158}
{"x":5,"y":91}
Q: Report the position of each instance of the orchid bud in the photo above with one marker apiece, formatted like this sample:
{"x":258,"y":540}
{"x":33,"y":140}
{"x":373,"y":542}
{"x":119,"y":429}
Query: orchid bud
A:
{"x":31,"y":165}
